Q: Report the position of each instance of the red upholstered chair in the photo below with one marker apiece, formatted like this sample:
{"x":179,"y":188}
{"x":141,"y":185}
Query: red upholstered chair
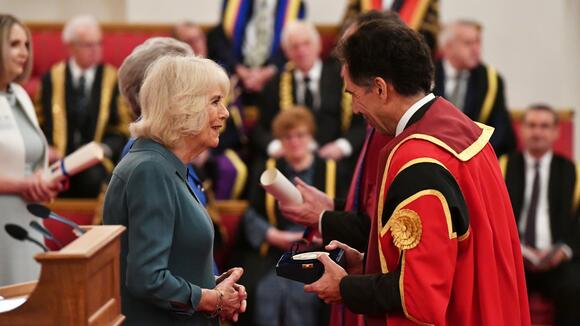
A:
{"x":230,"y":212}
{"x":118,"y":42}
{"x":80,"y":211}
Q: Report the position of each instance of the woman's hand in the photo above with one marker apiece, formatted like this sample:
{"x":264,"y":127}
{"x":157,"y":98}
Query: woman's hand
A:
{"x":53,"y":155}
{"x":232,"y":296}
{"x":37,"y":189}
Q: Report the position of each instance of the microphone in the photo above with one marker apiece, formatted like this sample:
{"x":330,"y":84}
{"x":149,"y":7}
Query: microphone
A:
{"x":45,"y":233}
{"x":19,"y":233}
{"x":44,"y":212}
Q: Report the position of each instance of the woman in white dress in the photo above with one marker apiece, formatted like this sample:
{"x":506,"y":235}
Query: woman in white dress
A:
{"x":23,"y":153}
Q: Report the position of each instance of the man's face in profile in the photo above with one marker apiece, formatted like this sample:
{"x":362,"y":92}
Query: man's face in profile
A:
{"x":366,"y":101}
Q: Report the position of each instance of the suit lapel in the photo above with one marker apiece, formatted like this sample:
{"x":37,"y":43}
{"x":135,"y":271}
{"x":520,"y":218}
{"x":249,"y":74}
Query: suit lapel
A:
{"x":439,"y":89}
{"x":516,"y":182}
{"x":554,"y":195}
{"x":476,"y":89}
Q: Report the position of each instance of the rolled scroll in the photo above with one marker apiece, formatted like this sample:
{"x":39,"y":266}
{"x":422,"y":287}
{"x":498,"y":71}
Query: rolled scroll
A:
{"x":78,"y":161}
{"x":276,"y":184}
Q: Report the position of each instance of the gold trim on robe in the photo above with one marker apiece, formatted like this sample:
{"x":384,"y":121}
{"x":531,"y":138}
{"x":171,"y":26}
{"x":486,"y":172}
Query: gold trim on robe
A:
{"x":287,"y":99}
{"x":59,"y":125}
{"x":490,"y":96}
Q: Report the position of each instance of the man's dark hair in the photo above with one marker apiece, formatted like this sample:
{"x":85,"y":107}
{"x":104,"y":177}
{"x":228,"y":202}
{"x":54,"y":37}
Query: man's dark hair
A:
{"x":542,"y":107}
{"x":377,"y":15}
{"x":392,"y":51}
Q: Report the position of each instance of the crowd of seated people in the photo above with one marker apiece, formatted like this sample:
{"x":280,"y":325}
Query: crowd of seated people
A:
{"x":306,"y":128}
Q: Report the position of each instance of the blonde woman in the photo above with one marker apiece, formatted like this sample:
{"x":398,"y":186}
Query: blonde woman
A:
{"x":166,"y":253}
{"x":23,"y":153}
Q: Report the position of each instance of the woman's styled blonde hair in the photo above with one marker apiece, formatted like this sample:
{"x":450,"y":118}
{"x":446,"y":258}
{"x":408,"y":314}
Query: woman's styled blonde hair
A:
{"x":6,"y":23}
{"x":132,"y":71}
{"x":174,"y":97}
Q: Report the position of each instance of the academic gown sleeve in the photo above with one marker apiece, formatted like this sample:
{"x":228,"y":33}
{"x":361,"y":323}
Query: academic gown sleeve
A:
{"x":350,"y":228}
{"x":424,"y":215}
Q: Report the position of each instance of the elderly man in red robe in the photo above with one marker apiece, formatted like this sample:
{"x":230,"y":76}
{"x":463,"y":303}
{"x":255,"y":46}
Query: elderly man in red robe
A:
{"x":443,"y":247}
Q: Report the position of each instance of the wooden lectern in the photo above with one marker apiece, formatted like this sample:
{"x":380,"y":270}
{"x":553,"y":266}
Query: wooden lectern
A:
{"x":78,"y":285}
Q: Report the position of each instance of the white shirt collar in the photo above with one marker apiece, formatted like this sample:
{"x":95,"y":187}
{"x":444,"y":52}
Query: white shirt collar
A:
{"x":544,"y":161}
{"x":410,"y":112}
{"x":314,"y":73}
{"x":450,"y":71}
{"x":76,"y":73}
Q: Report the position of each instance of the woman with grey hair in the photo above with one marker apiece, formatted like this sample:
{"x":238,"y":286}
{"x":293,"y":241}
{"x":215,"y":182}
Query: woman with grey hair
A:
{"x":166,"y":253}
{"x":23,"y":153}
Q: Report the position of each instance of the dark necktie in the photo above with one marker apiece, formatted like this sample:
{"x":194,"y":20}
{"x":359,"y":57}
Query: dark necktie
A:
{"x":530,"y":231}
{"x":80,"y":110}
{"x":81,"y":89}
{"x":308,"y":98}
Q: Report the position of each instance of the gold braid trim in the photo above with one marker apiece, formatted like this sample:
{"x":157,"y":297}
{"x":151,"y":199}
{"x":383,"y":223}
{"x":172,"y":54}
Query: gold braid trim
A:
{"x":402,"y":291}
{"x":287,"y":98}
{"x":576,"y":199}
{"x":59,"y":126}
{"x":125,"y":117}
{"x":503,"y":162}
{"x":331,"y":178}
{"x":420,"y":12}
{"x":241,"y":175}
{"x":107,"y":87}
{"x":490,"y":96}
{"x":270,"y":209}
{"x":346,"y":117}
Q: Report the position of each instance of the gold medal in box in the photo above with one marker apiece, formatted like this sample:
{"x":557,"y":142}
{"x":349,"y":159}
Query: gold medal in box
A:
{"x":305,"y":267}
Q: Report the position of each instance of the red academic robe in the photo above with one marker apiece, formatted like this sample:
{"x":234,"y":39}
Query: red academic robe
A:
{"x":445,"y":223}
{"x":360,"y":198}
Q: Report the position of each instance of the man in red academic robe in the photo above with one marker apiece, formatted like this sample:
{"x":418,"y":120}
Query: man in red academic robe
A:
{"x":443,"y":246}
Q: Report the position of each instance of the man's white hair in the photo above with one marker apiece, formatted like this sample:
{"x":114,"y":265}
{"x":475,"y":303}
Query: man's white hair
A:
{"x":299,"y":26}
{"x":449,"y":30}
{"x":71,"y":27}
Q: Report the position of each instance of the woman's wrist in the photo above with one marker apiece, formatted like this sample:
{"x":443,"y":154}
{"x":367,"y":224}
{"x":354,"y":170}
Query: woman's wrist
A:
{"x":14,"y":185}
{"x":211,"y":302}
{"x":219,"y":305}
{"x":208,"y":302}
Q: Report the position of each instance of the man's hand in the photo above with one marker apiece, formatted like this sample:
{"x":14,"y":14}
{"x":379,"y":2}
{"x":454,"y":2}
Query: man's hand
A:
{"x":282,"y":239}
{"x":328,"y":286}
{"x":331,"y":151}
{"x":551,"y":260}
{"x":354,"y":258}
{"x":314,"y":203}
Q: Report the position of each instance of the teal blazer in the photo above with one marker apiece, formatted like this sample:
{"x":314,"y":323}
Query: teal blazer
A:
{"x":166,"y":252}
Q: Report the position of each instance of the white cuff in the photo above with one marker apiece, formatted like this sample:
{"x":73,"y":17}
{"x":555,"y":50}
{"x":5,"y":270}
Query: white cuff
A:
{"x":320,"y":223}
{"x":567,"y":251}
{"x":273,"y":147}
{"x":107,"y":151}
{"x":344,"y":146}
{"x":313,"y":145}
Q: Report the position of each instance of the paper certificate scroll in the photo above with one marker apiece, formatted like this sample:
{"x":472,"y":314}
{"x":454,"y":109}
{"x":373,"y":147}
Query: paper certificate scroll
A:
{"x":280,"y":187}
{"x":78,"y":161}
